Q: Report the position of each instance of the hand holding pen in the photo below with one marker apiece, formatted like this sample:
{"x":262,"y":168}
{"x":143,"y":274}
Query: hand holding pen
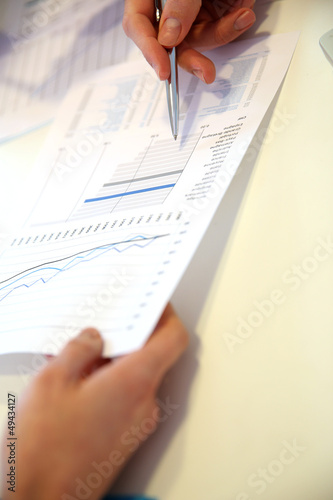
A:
{"x":190,"y":25}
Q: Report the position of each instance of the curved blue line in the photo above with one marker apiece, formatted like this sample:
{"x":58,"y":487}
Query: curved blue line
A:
{"x":75,"y":261}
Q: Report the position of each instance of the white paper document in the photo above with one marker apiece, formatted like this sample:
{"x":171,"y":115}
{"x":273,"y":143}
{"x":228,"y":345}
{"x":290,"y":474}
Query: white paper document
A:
{"x":117,"y":208}
{"x":57,"y":43}
{"x":23,"y":19}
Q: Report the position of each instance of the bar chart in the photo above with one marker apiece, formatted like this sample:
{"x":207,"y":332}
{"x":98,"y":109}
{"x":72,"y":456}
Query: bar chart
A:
{"x":146,"y":180}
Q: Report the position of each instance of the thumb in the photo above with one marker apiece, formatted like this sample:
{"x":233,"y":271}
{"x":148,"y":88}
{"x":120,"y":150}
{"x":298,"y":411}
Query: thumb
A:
{"x":80,"y":354}
{"x":176,"y":21}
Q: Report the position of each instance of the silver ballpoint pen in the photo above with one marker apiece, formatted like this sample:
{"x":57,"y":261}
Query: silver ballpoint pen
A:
{"x":172,"y":84}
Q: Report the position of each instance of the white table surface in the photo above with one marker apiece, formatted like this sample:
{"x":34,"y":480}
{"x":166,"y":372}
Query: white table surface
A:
{"x":255,"y":403}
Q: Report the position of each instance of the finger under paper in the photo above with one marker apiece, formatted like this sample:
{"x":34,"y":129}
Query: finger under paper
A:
{"x":139,"y":374}
{"x":165,"y":346}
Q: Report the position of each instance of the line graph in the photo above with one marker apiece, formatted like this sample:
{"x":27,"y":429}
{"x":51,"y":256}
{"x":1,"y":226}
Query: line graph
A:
{"x":48,"y":270}
{"x":55,"y":281}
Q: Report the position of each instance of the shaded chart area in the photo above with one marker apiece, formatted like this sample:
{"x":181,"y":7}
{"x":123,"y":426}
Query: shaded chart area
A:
{"x":146,"y":180}
{"x":231,"y":88}
{"x":109,"y":114}
{"x":114,"y":103}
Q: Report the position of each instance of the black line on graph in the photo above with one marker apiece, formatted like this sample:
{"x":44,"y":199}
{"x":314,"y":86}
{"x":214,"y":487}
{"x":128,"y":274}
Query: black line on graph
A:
{"x":132,"y":240}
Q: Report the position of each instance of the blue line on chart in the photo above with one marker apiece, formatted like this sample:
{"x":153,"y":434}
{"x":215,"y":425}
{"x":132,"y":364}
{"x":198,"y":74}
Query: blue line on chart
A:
{"x":75,"y":260}
{"x":127,"y":193}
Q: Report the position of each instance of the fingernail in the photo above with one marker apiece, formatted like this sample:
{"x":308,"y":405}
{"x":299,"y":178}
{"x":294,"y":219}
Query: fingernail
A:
{"x":245,"y":20}
{"x":199,"y":74}
{"x":170,"y":32}
{"x":157,"y":70}
{"x":90,"y":334}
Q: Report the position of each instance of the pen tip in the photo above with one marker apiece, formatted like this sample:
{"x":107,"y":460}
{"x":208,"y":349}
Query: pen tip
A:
{"x":175,"y":137}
